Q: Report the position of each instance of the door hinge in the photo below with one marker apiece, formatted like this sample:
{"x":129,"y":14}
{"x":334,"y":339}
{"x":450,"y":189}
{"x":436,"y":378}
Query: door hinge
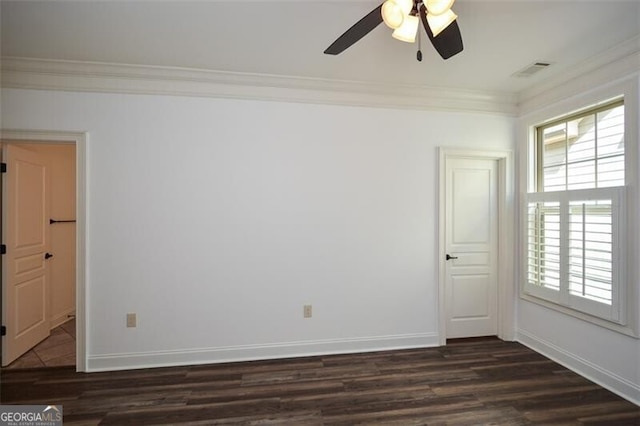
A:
{"x":3,"y":167}
{"x":3,"y":331}
{"x":3,"y":249}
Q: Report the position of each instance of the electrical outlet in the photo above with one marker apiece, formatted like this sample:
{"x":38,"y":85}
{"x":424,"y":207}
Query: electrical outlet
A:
{"x":307,"y":311}
{"x":131,"y":320}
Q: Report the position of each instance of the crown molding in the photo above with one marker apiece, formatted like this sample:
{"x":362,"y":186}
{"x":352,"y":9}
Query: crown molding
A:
{"x":45,"y":74}
{"x":620,"y":62}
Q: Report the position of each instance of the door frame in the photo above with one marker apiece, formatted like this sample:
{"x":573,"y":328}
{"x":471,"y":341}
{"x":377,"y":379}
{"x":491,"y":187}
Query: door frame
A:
{"x":80,"y":139}
{"x":506,"y":246}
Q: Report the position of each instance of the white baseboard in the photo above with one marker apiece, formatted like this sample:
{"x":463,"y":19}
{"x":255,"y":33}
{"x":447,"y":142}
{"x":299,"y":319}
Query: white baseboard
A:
{"x":130,"y":361}
{"x":616,"y":384}
{"x":61,"y":318}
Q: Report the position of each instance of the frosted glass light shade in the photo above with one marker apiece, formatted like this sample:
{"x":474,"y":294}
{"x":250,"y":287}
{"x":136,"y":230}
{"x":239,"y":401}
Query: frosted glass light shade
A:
{"x":438,"y":7}
{"x":408,"y":30}
{"x":392,"y":14}
{"x":438,"y":23}
{"x":405,"y":6}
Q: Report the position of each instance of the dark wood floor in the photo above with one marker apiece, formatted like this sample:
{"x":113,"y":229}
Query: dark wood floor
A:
{"x":467,"y":382}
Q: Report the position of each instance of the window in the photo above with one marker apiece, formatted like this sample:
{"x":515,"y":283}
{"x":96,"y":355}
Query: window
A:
{"x":573,"y":253}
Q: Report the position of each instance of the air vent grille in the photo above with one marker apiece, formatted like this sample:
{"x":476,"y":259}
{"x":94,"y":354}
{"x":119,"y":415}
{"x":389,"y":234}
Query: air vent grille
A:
{"x":532,"y":69}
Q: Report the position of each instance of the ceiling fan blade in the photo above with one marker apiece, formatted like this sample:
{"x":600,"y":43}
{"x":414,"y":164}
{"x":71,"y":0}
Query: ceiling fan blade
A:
{"x":356,"y":32}
{"x":448,"y":42}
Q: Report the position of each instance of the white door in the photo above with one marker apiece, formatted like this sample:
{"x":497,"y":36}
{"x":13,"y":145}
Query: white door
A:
{"x":24,"y":280}
{"x":471,"y":245}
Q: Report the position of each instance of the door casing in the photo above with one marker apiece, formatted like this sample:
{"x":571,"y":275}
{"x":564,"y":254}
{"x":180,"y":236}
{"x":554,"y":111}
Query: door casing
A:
{"x":80,"y":140}
{"x":506,"y":247}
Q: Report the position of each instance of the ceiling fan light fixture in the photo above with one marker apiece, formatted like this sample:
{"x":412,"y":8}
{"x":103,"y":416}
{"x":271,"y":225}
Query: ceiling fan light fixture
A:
{"x":447,"y":45}
{"x":405,"y":5}
{"x":392,"y":14}
{"x":437,"y":23}
{"x":438,"y":7}
{"x":408,"y":30}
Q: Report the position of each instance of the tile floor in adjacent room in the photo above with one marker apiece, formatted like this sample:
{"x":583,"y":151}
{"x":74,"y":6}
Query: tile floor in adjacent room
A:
{"x":59,"y":349}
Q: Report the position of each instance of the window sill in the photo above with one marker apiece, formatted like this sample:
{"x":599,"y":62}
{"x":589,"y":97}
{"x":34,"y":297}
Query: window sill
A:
{"x":622,"y":329}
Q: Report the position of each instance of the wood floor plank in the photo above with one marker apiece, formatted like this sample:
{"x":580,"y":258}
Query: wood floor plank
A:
{"x":249,"y":367}
{"x":469,"y":381}
{"x":483,"y":385}
{"x":629,"y":418}
{"x":319,"y":389}
{"x":126,"y":403}
{"x":76,"y":421}
{"x":464,"y":413}
{"x":513,"y":397}
{"x":167,"y":414}
{"x":577,"y":411}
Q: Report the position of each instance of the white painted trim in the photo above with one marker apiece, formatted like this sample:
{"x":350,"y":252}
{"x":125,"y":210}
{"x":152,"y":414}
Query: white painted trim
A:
{"x":128,"y":361}
{"x":611,"y":381}
{"x":80,"y":139}
{"x":629,"y":88}
{"x":506,"y":252}
{"x":615,"y":64}
{"x":33,"y":73}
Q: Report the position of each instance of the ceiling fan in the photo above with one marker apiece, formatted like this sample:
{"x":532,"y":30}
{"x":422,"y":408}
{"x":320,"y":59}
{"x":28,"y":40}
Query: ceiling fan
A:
{"x":404,"y":16}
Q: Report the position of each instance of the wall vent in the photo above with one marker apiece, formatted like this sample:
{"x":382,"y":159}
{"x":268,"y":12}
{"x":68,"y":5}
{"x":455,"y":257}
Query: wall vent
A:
{"x":532,"y":69}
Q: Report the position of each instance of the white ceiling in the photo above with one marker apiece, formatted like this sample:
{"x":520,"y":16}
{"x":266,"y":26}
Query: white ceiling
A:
{"x":288,"y":37}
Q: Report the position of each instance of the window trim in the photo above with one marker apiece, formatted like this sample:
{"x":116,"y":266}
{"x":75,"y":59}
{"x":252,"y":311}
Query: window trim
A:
{"x":583,"y":112}
{"x":538,"y":129}
{"x":540,"y":114}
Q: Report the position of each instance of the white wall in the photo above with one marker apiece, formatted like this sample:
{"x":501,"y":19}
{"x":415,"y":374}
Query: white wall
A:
{"x":610,"y":358}
{"x":215,"y":220}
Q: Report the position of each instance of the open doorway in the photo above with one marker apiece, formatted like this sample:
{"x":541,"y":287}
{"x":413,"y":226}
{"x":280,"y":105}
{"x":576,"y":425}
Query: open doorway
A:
{"x":43,"y":283}
{"x":38,"y":214}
